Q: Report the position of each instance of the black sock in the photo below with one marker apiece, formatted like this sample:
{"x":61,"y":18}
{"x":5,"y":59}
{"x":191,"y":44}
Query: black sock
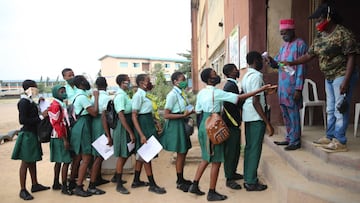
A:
{"x":119,"y":178}
{"x":180,"y":177}
{"x":211,"y":190}
{"x":196,"y":182}
{"x":92,"y":185}
{"x":151,"y":180}
{"x":137,"y":176}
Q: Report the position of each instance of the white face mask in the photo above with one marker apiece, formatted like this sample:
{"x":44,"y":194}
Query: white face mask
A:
{"x":32,"y":91}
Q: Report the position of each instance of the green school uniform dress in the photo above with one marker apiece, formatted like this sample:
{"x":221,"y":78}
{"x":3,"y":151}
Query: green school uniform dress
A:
{"x":205,"y":105}
{"x":97,"y":128}
{"x":121,"y":137}
{"x":27,"y":147}
{"x":143,"y":106}
{"x":174,"y":138}
{"x":80,"y":139}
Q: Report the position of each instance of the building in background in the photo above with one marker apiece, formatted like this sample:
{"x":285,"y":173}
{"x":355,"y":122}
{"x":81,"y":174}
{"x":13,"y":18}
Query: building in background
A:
{"x":113,"y":65}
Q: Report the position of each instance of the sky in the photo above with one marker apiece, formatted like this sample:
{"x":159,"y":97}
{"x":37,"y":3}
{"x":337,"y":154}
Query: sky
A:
{"x":42,"y":37}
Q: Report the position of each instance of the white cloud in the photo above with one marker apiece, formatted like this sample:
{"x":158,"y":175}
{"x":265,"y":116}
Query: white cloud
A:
{"x":41,"y":37}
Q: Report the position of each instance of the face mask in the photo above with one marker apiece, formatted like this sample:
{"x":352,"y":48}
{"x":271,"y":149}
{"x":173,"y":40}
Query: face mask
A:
{"x":86,"y":85}
{"x":70,"y":81}
{"x":322,"y":25}
{"x":286,"y":38}
{"x":32,"y":91}
{"x":259,"y":65}
{"x":215,"y":80}
{"x":237,"y":74}
{"x":63,"y":96}
{"x":183,"y":85}
{"x":149,"y":86}
{"x":127,"y":84}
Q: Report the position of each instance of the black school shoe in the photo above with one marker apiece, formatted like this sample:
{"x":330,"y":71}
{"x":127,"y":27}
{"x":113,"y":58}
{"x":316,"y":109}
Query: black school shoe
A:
{"x":255,"y":187}
{"x":139,"y":184}
{"x":214,"y":196}
{"x":65,"y":190}
{"x":25,"y":195}
{"x":281,"y":142}
{"x":56,"y":186}
{"x":38,"y":187}
{"x":79,"y":191}
{"x":195,"y":190}
{"x":156,"y":189}
{"x":101,"y":181}
{"x":233,"y":185}
{"x":237,"y":176}
{"x":292,"y":147}
{"x":95,"y":191}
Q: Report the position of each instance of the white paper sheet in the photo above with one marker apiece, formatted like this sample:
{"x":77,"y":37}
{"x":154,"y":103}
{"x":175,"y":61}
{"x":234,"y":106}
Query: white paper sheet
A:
{"x":150,"y":149}
{"x":102,"y":148}
{"x":131,"y":146}
{"x":44,"y":104}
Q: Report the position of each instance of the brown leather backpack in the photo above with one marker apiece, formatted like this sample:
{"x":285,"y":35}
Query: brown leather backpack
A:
{"x":216,"y":129}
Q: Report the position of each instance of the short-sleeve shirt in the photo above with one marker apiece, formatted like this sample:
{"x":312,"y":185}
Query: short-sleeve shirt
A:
{"x":174,"y":101}
{"x":252,"y":81}
{"x":70,"y":92}
{"x":81,"y":102}
{"x":141,"y":103}
{"x":122,"y":102}
{"x":204,"y":99}
{"x":103,"y":101}
{"x":332,"y":51}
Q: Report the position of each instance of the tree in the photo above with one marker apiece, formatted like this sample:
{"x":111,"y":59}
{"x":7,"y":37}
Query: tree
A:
{"x":161,"y":88}
{"x":186,"y":66}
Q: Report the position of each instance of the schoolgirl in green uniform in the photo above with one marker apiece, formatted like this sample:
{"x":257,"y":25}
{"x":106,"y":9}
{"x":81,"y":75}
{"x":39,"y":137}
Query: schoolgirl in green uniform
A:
{"x":59,"y":144}
{"x":210,"y":100}
{"x":80,"y":139}
{"x":174,"y":138}
{"x":27,"y":147}
{"x":123,"y":133}
{"x":142,"y":118}
{"x":97,"y":131}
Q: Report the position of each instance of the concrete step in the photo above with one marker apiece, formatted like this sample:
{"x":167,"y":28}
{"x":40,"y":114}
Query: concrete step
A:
{"x":319,"y":166}
{"x":350,"y":159}
{"x":293,"y":187}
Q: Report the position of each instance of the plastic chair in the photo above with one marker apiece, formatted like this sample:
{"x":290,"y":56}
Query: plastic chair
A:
{"x":356,"y":119}
{"x":311,"y":103}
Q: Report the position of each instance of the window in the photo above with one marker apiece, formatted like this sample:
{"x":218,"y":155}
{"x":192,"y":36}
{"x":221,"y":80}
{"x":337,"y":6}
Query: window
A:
{"x":123,"y":64}
{"x":177,"y":65}
{"x":167,"y":65}
{"x":136,"y":65}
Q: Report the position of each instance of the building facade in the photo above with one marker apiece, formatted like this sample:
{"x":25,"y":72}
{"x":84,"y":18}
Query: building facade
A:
{"x":112,"y":65}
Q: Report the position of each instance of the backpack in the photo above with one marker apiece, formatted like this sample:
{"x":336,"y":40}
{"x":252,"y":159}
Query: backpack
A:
{"x":111,"y":115}
{"x":216,"y":129}
{"x":44,"y":130}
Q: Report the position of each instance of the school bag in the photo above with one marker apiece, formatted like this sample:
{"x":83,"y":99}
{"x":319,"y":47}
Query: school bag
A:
{"x":216,"y":129}
{"x":111,"y":115}
{"x":44,"y":130}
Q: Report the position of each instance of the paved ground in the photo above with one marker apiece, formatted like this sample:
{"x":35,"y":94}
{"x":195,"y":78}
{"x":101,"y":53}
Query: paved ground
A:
{"x":164,"y":173}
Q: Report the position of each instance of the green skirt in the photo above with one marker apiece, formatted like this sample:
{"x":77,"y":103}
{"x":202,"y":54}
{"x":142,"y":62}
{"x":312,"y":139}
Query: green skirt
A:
{"x":27,"y":147}
{"x":80,"y":139}
{"x":58,"y":153}
{"x":121,"y":137}
{"x":147,"y":125}
{"x":174,"y":138}
{"x":209,"y":153}
{"x":97,"y":130}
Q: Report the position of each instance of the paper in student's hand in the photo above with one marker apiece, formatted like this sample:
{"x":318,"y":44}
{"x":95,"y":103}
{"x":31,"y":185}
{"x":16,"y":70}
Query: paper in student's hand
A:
{"x":102,"y":148}
{"x":43,"y":105}
{"x":150,"y":149}
{"x":130,"y":146}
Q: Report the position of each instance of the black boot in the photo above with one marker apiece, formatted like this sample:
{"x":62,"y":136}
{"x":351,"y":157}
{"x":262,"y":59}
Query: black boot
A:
{"x":119,"y":187}
{"x":65,"y":189}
